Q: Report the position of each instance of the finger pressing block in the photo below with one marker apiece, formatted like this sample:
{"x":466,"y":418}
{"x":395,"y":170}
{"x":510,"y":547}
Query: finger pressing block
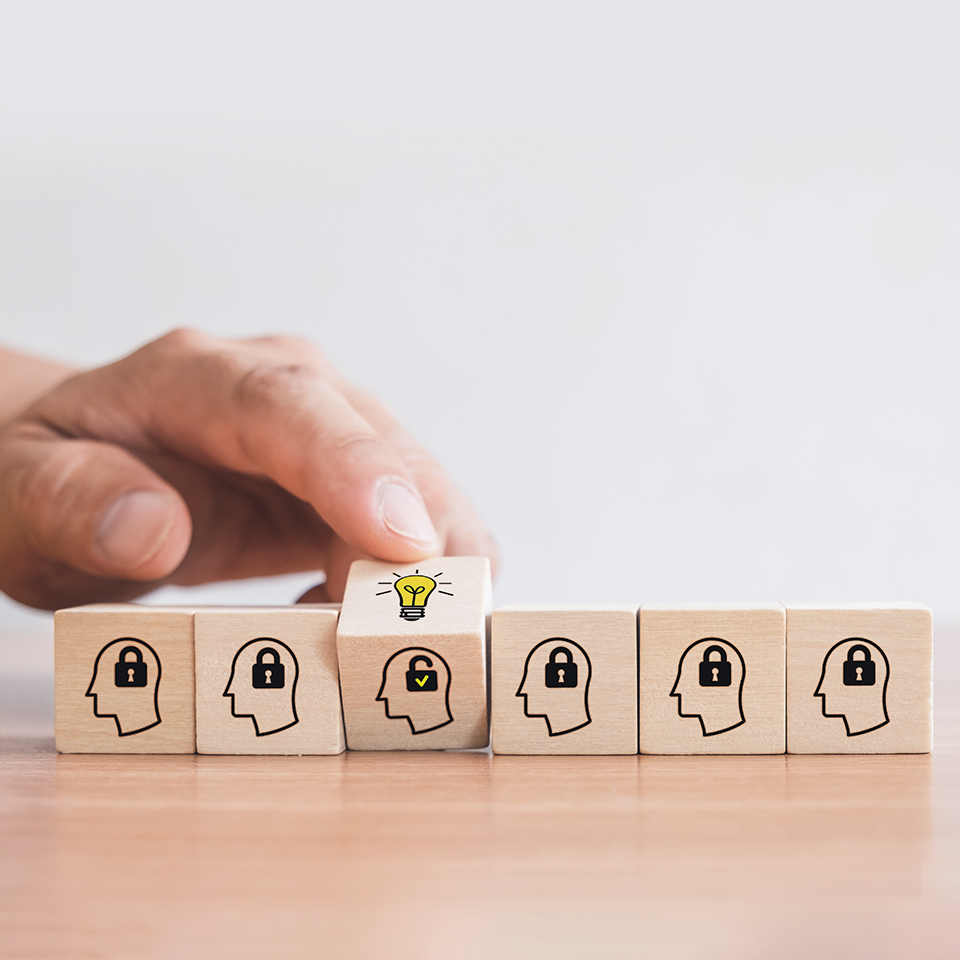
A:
{"x":411,"y":643}
{"x":124,"y":679}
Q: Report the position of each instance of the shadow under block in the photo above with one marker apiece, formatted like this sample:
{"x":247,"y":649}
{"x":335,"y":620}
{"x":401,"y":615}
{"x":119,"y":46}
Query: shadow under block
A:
{"x":875,"y":699}
{"x":563,"y":679}
{"x":124,"y":679}
{"x":712,"y":678}
{"x":267,"y":680}
{"x":411,"y":643}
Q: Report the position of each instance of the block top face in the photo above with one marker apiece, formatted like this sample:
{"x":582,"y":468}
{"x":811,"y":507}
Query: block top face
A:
{"x":439,"y":596}
{"x":889,"y":605}
{"x":708,"y":607}
{"x":568,"y":608}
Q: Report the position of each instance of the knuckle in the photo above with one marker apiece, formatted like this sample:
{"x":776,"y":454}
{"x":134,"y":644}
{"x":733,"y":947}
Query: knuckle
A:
{"x":268,"y":385}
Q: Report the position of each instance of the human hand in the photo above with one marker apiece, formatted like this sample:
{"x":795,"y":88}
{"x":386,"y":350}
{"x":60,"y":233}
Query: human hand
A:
{"x":196,"y":459}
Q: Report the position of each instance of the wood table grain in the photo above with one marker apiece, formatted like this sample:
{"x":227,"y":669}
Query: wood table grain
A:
{"x":465,"y":855}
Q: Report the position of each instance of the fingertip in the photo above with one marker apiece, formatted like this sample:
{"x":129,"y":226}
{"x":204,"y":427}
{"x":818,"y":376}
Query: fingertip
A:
{"x":404,"y":514}
{"x":142,"y":533}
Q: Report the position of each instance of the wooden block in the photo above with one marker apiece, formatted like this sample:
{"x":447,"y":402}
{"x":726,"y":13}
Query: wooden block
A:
{"x":412,"y":649}
{"x":564,"y":679}
{"x":124,"y":679}
{"x":859,"y":678}
{"x":712,"y":678}
{"x":267,"y":680}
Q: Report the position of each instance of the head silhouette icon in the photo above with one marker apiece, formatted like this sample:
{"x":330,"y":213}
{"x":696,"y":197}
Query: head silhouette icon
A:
{"x":709,"y":685}
{"x":416,"y":688}
{"x":125,"y":685}
{"x":556,"y":685}
{"x":853,"y":685}
{"x":263,"y":685}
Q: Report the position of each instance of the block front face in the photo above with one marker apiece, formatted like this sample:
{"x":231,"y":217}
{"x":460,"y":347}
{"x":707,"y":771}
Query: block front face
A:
{"x":564,"y":679}
{"x":712,"y":679}
{"x":411,"y":643}
{"x":859,"y":678}
{"x":124,"y":679}
{"x":267,"y":680}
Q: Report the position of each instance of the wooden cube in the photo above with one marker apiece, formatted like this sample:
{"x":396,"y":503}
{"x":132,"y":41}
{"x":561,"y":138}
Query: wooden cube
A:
{"x":411,"y":643}
{"x":712,"y":678}
{"x":563,"y":679}
{"x":859,"y":678}
{"x":267,"y":680}
{"x":124,"y":679}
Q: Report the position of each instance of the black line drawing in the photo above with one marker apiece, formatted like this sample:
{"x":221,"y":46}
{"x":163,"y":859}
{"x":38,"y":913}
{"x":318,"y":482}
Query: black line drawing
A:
{"x":414,"y":589}
{"x":556,"y":685}
{"x":419,"y":696}
{"x":850,"y":684}
{"x":263,"y":685}
{"x":127,"y":690}
{"x":709,"y":685}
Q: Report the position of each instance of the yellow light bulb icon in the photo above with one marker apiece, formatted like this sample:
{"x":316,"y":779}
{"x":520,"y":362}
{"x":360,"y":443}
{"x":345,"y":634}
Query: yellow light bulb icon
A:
{"x":414,"y":591}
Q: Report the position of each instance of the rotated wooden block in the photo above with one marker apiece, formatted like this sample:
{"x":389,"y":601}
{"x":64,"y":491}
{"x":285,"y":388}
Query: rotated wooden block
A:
{"x":411,"y":643}
{"x":859,"y":678}
{"x":564,"y":679}
{"x":712,"y":678}
{"x":267,"y":680}
{"x":124,"y":679}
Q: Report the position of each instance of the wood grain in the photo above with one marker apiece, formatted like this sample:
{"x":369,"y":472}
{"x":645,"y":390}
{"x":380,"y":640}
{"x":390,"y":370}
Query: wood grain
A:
{"x":746,"y":712}
{"x":596,"y":716}
{"x":303,"y":715}
{"x":96,"y":715}
{"x":377,"y":647}
{"x":894,"y":713}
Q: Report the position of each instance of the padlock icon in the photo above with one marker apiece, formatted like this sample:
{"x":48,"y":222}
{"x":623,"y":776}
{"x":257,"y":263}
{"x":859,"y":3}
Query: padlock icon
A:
{"x":425,"y":680}
{"x":859,"y":673}
{"x":130,"y":673}
{"x":268,"y":676}
{"x":715,"y":673}
{"x":562,"y":674}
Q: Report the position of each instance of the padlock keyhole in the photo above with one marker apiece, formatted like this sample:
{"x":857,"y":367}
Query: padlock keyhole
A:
{"x":268,"y":674}
{"x":129,"y":674}
{"x":716,"y":673}
{"x":560,"y":676}
{"x":859,"y":674}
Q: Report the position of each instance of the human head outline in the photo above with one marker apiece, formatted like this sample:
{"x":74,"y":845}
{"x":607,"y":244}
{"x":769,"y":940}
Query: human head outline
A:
{"x":863,"y":708}
{"x":718,"y":708}
{"x":136,"y":707}
{"x":563,"y":708}
{"x":424,"y":709}
{"x":270,"y":709}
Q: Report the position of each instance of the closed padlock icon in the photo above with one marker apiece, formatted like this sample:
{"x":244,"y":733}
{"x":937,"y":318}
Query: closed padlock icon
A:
{"x":268,"y":676}
{"x":714,"y":673}
{"x":859,"y":673}
{"x":130,"y":673}
{"x":425,"y":680}
{"x":562,"y":673}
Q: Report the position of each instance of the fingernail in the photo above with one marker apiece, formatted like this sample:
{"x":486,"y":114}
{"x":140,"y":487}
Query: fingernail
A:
{"x":404,"y":513}
{"x":135,"y":527}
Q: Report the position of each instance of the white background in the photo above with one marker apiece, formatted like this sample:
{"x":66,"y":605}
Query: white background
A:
{"x":672,"y":289}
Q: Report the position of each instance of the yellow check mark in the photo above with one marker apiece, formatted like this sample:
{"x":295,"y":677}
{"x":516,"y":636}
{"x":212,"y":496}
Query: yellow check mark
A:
{"x":423,"y":681}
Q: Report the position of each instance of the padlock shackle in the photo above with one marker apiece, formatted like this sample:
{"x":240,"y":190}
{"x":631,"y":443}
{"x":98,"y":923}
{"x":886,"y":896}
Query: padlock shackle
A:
{"x":134,"y":650}
{"x":866,"y":654}
{"x":710,"y":649}
{"x":556,"y":650}
{"x":415,"y":660}
{"x":266,"y":650}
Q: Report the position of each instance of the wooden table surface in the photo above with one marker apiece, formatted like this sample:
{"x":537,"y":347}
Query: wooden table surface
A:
{"x":466,"y":855}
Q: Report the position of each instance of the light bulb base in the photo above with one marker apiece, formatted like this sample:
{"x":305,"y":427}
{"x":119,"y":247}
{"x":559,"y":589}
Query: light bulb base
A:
{"x":412,"y":613}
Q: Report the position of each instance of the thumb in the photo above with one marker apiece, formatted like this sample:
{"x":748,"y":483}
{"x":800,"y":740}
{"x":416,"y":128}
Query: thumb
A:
{"x":91,"y":505}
